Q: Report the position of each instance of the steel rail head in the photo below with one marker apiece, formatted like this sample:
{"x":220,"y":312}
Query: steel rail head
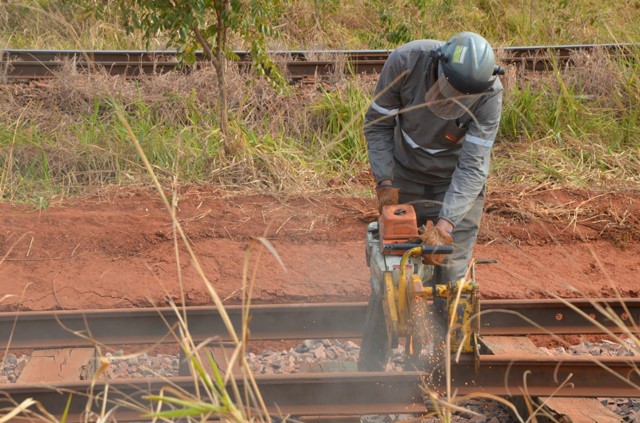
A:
{"x":66,"y":329}
{"x":535,"y":58}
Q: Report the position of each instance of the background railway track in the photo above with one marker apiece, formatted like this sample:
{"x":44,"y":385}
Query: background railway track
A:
{"x":26,"y":65}
{"x":340,"y":393}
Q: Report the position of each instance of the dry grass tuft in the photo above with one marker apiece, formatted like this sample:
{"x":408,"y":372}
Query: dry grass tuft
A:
{"x":615,"y":219}
{"x":596,"y":75}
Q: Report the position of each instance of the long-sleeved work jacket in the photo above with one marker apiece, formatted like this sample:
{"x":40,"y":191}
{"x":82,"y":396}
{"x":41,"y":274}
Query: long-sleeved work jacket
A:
{"x":405,"y":138}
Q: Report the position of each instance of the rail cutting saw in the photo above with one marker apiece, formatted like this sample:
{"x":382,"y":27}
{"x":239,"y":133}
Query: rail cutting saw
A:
{"x":407,"y":305}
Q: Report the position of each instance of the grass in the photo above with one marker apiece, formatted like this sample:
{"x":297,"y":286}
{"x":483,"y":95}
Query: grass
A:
{"x":71,"y":140}
{"x":330,"y":24}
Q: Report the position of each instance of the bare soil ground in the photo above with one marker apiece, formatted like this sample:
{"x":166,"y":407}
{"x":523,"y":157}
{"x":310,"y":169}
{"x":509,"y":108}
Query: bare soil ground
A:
{"x":115,"y":248}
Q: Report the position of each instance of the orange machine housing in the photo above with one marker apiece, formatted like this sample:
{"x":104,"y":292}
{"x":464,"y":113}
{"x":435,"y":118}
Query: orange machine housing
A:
{"x":397,"y":224}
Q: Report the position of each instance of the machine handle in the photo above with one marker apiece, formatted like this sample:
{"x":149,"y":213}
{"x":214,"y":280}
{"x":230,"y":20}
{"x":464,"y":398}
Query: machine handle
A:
{"x":426,"y":249}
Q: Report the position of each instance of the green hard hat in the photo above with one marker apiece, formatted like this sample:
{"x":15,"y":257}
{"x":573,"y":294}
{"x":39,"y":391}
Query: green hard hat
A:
{"x":468,"y":63}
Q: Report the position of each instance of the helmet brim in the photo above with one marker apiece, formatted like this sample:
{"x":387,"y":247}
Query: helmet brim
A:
{"x":446,"y":102}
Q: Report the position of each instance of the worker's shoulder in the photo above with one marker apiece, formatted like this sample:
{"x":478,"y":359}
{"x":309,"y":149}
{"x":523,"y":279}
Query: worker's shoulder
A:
{"x":418,"y":46}
{"x":414,"y":53}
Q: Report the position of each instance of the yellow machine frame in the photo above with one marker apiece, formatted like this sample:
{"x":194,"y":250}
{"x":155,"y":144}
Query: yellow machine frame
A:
{"x":463,"y":318}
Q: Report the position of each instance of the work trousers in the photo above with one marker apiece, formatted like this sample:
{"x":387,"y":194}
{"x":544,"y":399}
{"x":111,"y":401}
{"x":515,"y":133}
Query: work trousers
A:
{"x":427,"y":201}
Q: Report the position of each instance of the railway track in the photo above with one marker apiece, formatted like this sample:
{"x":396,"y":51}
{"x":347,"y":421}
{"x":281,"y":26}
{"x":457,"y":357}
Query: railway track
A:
{"x":26,"y":65}
{"x":339,"y":393}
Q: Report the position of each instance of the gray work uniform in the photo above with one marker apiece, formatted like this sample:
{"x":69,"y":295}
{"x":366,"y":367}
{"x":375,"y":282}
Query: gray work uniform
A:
{"x":440,"y":166}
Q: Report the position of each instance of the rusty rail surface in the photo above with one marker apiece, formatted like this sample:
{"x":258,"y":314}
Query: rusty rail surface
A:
{"x":66,"y":329}
{"x":363,"y":393}
{"x":24,"y":65}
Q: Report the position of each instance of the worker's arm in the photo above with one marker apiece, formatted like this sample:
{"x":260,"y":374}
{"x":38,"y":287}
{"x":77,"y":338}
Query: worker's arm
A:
{"x":471,"y":172}
{"x":380,"y":119}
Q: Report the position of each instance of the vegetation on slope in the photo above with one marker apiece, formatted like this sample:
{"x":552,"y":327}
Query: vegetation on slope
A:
{"x":572,"y":126}
{"x":341,"y":24}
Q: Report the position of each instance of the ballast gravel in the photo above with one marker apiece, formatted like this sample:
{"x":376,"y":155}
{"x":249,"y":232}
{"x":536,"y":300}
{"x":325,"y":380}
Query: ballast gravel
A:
{"x":336,"y":355}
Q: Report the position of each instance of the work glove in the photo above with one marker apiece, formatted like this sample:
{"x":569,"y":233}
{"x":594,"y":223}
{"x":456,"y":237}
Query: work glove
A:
{"x":387,"y":195}
{"x":434,"y":236}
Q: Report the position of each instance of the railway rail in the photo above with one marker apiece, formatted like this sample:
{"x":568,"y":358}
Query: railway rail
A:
{"x":338,"y":393}
{"x":349,"y":393}
{"x":69,"y":328}
{"x":24,"y":65}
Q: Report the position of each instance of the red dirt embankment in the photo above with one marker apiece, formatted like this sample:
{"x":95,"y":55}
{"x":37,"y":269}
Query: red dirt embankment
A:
{"x":116,"y":249}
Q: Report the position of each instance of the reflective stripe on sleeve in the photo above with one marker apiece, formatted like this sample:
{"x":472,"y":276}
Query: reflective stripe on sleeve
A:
{"x":478,"y":141}
{"x":382,"y":110}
